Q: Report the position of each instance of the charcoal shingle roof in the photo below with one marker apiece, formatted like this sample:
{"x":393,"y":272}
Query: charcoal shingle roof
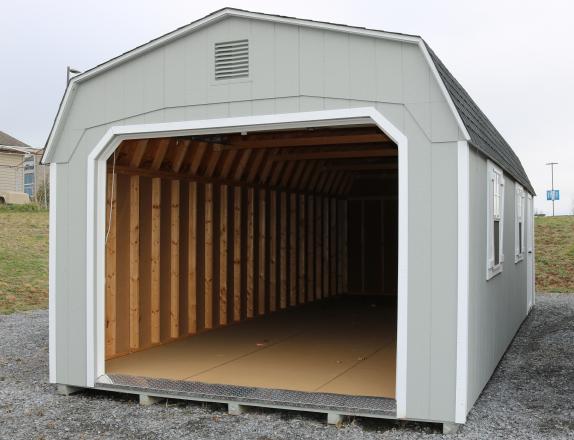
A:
{"x":483,"y":135}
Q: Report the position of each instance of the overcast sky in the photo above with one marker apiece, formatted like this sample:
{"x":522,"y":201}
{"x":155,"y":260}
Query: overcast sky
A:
{"x":514,"y":57}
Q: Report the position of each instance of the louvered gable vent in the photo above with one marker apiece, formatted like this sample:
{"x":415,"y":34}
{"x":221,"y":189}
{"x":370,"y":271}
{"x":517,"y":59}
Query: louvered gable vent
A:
{"x":232,"y":59}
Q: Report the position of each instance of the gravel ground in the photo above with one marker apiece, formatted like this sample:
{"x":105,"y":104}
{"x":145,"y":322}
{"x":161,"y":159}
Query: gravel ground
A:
{"x":530,"y":396}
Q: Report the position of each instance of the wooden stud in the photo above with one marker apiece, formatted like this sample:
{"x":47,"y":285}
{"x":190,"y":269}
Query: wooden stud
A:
{"x":293,"y":268}
{"x":318,"y":247}
{"x":139,"y":152}
{"x":242,"y":164}
{"x":250,"y":251}
{"x":155,"y":259}
{"x":310,"y":248}
{"x":223,"y":255}
{"x":255,"y":165}
{"x":330,"y":182}
{"x":208,"y":255}
{"x":169,"y":175}
{"x":299,"y":168}
{"x":134,"y":262}
{"x":111,"y":256}
{"x":333,"y":246}
{"x":174,"y":261}
{"x":283,"y":251}
{"x":309,"y":168}
{"x":276,"y":173}
{"x":212,"y":163}
{"x":273,"y":251}
{"x":314,"y":180}
{"x":227,"y":163}
{"x":360,"y":167}
{"x":262,"y":245}
{"x":197,"y":155}
{"x":192,"y":261}
{"x":301,"y":246}
{"x":266,"y":169}
{"x":237,"y":254}
{"x":307,"y":139}
{"x":338,"y":154}
{"x":344,"y":239}
{"x":326,"y":279}
{"x":160,"y":153}
{"x":180,"y":153}
{"x":287,"y":173}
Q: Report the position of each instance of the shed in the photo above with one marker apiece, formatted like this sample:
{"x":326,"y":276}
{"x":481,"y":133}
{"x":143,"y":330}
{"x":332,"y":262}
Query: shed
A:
{"x":268,"y":211}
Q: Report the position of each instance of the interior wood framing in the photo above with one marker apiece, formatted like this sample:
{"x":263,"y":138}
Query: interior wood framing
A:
{"x":207,"y":231}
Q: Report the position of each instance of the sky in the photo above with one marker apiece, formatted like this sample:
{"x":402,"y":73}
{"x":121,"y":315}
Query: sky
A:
{"x":514,"y":57}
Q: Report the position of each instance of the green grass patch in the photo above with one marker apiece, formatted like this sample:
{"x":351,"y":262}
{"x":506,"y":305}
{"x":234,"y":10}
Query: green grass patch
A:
{"x":23,"y":258}
{"x":554,"y":254}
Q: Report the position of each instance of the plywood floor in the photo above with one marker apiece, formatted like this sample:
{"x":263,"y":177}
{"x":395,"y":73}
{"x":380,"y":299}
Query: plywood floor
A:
{"x":343,"y":345}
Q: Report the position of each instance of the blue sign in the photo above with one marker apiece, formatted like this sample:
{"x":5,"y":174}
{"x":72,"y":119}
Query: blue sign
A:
{"x":553,"y":195}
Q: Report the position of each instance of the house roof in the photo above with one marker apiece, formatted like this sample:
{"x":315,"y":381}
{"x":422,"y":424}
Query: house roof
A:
{"x":9,"y":141}
{"x":474,"y":124}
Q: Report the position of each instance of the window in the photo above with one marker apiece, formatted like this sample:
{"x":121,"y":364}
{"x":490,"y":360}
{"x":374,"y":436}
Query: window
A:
{"x":495,"y":220}
{"x":519,"y":215}
{"x":29,"y":169}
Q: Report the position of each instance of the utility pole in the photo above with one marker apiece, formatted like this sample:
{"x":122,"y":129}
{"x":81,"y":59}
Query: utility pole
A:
{"x":553,"y":195}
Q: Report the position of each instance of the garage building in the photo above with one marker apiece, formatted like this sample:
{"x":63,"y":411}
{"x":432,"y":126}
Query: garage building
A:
{"x":268,"y":211}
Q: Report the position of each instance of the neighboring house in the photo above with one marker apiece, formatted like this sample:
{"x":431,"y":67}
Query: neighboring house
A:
{"x":331,"y":191}
{"x":20,"y":167}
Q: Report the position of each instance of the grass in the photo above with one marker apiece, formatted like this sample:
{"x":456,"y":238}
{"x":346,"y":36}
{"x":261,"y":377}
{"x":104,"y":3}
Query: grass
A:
{"x":23,"y":258}
{"x":554,"y":254}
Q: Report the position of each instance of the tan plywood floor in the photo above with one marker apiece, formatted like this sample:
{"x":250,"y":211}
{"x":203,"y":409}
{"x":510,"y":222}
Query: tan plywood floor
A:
{"x":343,"y":345}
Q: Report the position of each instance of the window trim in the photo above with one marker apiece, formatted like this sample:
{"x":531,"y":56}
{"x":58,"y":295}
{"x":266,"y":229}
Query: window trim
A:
{"x":519,"y":217}
{"x":493,"y":174}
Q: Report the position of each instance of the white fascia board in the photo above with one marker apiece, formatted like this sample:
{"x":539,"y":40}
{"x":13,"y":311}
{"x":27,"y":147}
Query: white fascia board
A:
{"x":228,"y":12}
{"x":463,"y":239}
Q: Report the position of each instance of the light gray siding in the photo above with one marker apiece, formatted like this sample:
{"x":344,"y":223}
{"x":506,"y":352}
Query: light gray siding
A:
{"x":498,"y":306}
{"x":292,"y":69}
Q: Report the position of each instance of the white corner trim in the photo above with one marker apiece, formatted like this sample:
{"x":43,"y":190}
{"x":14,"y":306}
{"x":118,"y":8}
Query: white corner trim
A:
{"x":52,"y":274}
{"x":96,"y":204}
{"x":463,"y":240}
{"x":230,"y":12}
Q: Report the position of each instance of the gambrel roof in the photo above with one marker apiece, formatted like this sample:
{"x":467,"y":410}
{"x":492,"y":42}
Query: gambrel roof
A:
{"x":473,"y":123}
{"x":483,"y":134}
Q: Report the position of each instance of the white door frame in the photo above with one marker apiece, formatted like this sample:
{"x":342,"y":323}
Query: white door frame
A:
{"x":96,"y":212}
{"x":530,"y":281}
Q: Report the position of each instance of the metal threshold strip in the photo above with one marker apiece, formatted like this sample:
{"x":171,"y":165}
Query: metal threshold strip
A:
{"x":379,"y":407}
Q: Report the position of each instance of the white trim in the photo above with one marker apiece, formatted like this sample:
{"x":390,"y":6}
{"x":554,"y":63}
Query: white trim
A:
{"x":463,"y":239}
{"x":230,"y":12}
{"x":52,"y":274}
{"x":96,"y":202}
{"x":530,"y":260}
{"x":519,"y":217}
{"x":492,"y":170}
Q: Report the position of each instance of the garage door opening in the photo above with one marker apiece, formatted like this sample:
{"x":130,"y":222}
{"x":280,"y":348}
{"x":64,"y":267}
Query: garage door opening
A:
{"x":264,"y":259}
